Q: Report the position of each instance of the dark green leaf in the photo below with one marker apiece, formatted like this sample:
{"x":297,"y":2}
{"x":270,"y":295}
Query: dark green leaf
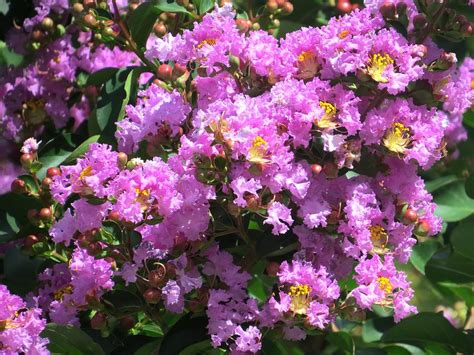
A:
{"x":79,"y":151}
{"x":425,"y":328}
{"x":7,"y":57}
{"x":470,"y":186}
{"x":171,"y":6}
{"x":101,"y":76}
{"x":373,"y":329}
{"x":343,"y":341}
{"x":450,"y":268}
{"x":122,"y":302}
{"x":185,"y":332}
{"x":149,"y":349}
{"x":20,"y":271}
{"x":453,"y":203}
{"x":66,"y":339}
{"x":433,"y":185}
{"x":422,"y":252}
{"x":203,"y":5}
{"x":141,"y":22}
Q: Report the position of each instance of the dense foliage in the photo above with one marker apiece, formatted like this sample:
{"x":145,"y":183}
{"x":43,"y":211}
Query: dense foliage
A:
{"x":191,"y":177}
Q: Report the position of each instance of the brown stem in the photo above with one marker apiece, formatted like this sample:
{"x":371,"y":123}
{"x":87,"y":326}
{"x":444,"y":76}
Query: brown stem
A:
{"x":432,"y":24}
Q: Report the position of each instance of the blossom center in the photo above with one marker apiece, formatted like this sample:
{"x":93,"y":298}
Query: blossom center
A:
{"x":343,"y":34}
{"x":378,"y":236}
{"x":259,"y":150}
{"x":330,"y":111}
{"x":377,"y":65}
{"x":87,"y":171}
{"x":300,"y":298}
{"x":385,"y":284}
{"x":142,"y":198}
{"x":397,"y":138}
{"x":305,"y":56}
{"x":58,"y":295}
{"x":208,"y":41}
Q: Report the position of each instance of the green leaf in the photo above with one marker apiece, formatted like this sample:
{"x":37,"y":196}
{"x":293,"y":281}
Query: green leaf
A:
{"x":20,"y":271}
{"x":464,"y":292}
{"x":115,"y":94}
{"x":373,"y":329}
{"x":443,"y":267}
{"x":462,"y":238}
{"x":30,"y":182}
{"x":150,"y":348}
{"x":141,"y":22}
{"x":122,"y":302}
{"x":422,"y":253}
{"x":83,"y":148}
{"x":436,"y":184}
{"x":203,"y":5}
{"x":468,"y":118}
{"x":428,"y":328}
{"x":343,"y":341}
{"x":403,"y":349}
{"x":66,"y":339}
{"x":101,"y":76}
{"x":56,"y":151}
{"x":167,"y":6}
{"x":453,"y":203}
{"x":9,"y":58}
{"x":185,"y":332}
{"x":469,"y":185}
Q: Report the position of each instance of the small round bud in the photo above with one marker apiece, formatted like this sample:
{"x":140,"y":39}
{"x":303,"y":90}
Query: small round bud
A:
{"x":114,"y":216}
{"x":344,"y":6}
{"x":92,"y":235}
{"x":401,"y":9}
{"x":388,"y":10}
{"x":46,"y":182}
{"x":242,"y":24}
{"x":276,"y":22}
{"x":165,"y":72}
{"x":182,"y":2}
{"x":280,"y":3}
{"x":272,"y":268}
{"x":77,"y":7}
{"x":37,"y":35}
{"x":152,"y":295}
{"x":287,"y":8}
{"x":170,"y":270}
{"x":157,"y":276}
{"x":422,"y":229}
{"x":93,"y":248}
{"x":90,"y":20}
{"x":30,"y":240}
{"x":122,"y":160}
{"x":271,"y":5}
{"x":178,"y":71}
{"x":255,"y":26}
{"x":127,"y":322}
{"x":419,"y":21}
{"x":99,"y":321}
{"x":47,"y":23}
{"x":410,"y":216}
{"x":26,"y":160}
{"x":52,"y":172}
{"x":160,"y":29}
{"x":316,"y":169}
{"x":18,"y":186}
{"x":467,"y":29}
{"x":89,"y":3}
{"x":45,"y":214}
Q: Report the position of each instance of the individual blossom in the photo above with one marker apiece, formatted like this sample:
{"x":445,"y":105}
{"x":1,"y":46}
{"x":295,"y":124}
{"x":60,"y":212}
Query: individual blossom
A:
{"x":279,"y":216}
{"x":20,"y":326}
{"x":30,"y":145}
{"x":156,"y":115}
{"x":408,"y":131}
{"x":380,"y":283}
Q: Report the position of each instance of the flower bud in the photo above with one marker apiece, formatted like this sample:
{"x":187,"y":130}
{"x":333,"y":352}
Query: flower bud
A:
{"x":182,"y":2}
{"x":114,"y":216}
{"x":19,"y":186}
{"x":272,"y":268}
{"x":122,"y":159}
{"x":388,"y":10}
{"x":255,"y":26}
{"x":467,"y":29}
{"x":30,"y":240}
{"x":37,"y":35}
{"x":287,"y":8}
{"x":165,"y":72}
{"x":26,"y":160}
{"x":90,"y":20}
{"x":271,"y":5}
{"x":45,"y":214}
{"x":179,"y":70}
{"x":152,"y":296}
{"x":47,"y":23}
{"x":410,"y":216}
{"x":94,"y":249}
{"x":77,"y":7}
{"x":99,"y":321}
{"x":422,"y":229}
{"x":52,"y":172}
{"x":46,"y":182}
{"x":127,"y":322}
{"x":89,"y":3}
{"x":157,"y":276}
{"x":401,"y":9}
{"x":419,"y":21}
{"x":242,"y":24}
{"x":316,"y":169}
{"x":92,"y":235}
{"x":344,"y":6}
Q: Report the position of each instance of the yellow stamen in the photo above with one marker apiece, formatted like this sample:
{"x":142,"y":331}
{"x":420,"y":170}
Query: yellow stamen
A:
{"x":377,"y":65}
{"x":259,"y":151}
{"x":378,"y":236}
{"x":87,"y":171}
{"x":472,"y":84}
{"x":330,"y":111}
{"x":300,"y":298}
{"x":385,"y":284}
{"x":306,"y":55}
{"x":397,"y":138}
{"x":35,"y":104}
{"x":143,"y":197}
{"x":58,"y":295}
{"x":208,"y":41}
{"x":343,"y":34}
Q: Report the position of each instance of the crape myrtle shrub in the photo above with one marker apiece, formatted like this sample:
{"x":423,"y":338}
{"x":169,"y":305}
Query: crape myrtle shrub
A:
{"x":272,"y":177}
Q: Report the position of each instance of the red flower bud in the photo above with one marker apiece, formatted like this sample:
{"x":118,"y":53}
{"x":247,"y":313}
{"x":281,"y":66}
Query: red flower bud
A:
{"x":165,"y":72}
{"x":152,"y":295}
{"x":99,"y":321}
{"x":52,"y":172}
